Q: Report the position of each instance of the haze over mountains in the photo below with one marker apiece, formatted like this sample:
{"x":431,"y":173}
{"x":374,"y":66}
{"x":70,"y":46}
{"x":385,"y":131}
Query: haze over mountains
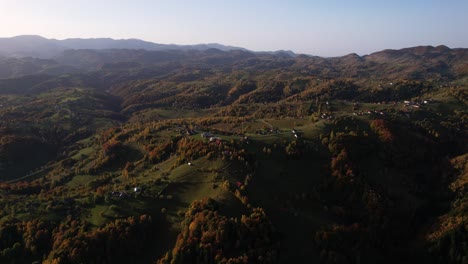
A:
{"x":26,"y":55}
{"x":40,"y":47}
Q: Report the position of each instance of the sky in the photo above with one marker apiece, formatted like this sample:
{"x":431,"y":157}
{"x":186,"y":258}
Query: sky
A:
{"x":316,"y":27}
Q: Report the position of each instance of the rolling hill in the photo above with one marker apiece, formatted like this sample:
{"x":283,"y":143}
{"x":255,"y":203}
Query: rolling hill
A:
{"x":205,"y":155}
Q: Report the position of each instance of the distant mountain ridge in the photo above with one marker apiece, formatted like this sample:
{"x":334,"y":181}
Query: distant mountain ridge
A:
{"x":24,"y":55}
{"x":40,"y":47}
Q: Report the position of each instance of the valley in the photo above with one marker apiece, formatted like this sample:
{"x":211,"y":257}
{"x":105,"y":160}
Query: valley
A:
{"x":231,"y":156}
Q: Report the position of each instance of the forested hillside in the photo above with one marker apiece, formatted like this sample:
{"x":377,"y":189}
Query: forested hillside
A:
{"x":231,"y":156}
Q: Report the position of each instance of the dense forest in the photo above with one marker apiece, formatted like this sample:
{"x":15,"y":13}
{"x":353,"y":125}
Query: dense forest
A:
{"x":231,"y":156}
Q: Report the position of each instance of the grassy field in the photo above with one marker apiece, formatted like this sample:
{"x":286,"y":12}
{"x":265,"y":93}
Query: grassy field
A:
{"x":95,"y":216}
{"x":83,"y":153}
{"x":202,"y":179}
{"x":80,"y":180}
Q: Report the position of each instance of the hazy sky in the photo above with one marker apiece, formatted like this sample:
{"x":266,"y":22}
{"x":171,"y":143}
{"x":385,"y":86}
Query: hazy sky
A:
{"x":317,"y":27}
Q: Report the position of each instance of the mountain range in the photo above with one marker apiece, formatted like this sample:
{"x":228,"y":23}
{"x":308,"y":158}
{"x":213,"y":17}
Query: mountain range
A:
{"x":40,"y":47}
{"x":125,"y":151}
{"x":27,"y":55}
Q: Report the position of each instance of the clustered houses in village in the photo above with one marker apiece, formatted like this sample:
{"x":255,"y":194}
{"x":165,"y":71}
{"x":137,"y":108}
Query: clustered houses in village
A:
{"x":326,"y":116}
{"x":408,"y":105}
{"x":119,"y":194}
{"x":206,"y":135}
{"x":211,"y":137}
{"x":184,"y":129}
{"x":124,"y":194}
{"x":295,"y":133}
{"x":266,"y":131}
{"x":416,"y":103}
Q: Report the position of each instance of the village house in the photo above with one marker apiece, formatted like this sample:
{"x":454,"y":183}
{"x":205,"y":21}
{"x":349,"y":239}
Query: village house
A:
{"x":206,"y":135}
